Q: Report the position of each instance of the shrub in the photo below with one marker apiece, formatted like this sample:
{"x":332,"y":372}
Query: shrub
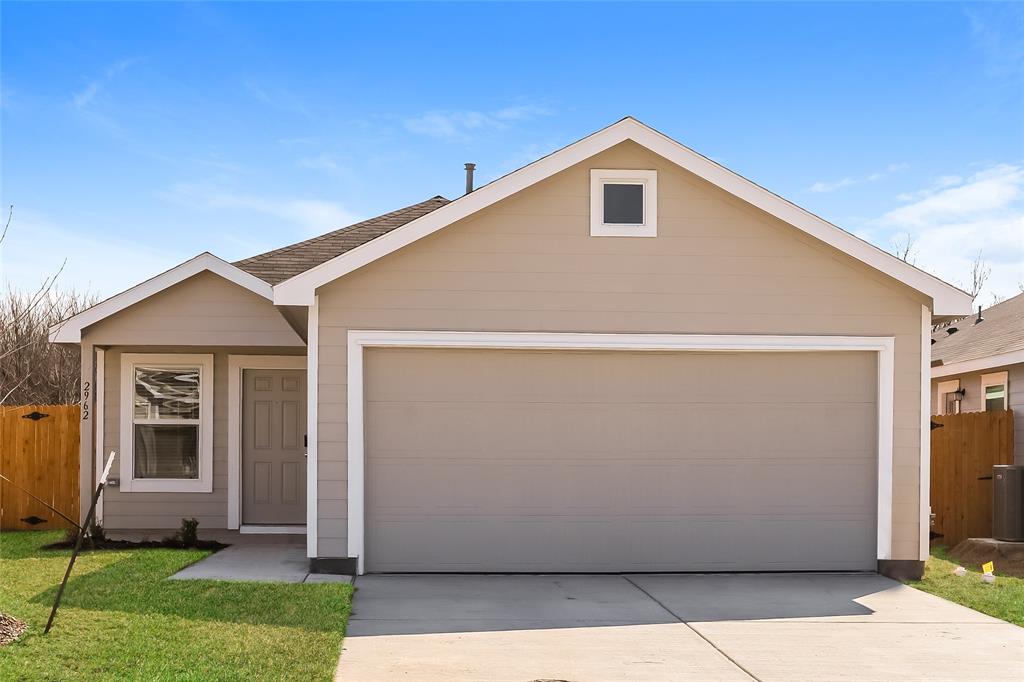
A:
{"x":188,"y":534}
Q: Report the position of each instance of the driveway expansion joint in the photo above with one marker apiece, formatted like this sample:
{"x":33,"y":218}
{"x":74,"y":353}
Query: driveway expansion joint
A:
{"x":692,"y":629}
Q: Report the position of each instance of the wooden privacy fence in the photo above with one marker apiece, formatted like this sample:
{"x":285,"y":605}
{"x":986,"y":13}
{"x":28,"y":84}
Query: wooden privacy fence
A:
{"x":964,"y":448}
{"x":39,"y":454}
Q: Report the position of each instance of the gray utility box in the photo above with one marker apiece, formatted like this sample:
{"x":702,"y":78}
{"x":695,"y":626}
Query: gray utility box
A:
{"x":1008,"y":502}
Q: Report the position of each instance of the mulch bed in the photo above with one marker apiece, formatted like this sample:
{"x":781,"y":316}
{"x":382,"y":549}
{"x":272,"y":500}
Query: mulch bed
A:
{"x":10,"y":628}
{"x":166,"y":543}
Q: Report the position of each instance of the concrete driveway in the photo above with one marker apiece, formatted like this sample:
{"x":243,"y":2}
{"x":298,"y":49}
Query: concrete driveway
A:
{"x":668,"y":627}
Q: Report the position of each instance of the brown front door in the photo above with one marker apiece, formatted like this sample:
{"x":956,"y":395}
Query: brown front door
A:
{"x":273,"y":451}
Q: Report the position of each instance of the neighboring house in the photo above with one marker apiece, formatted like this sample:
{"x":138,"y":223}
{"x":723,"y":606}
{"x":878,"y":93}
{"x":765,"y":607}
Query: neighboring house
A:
{"x":621,"y":357}
{"x":978,"y":365}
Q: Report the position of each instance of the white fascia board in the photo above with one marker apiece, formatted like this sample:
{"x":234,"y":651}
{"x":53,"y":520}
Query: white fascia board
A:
{"x":70,"y":330}
{"x":1001,"y":360}
{"x":947,"y":299}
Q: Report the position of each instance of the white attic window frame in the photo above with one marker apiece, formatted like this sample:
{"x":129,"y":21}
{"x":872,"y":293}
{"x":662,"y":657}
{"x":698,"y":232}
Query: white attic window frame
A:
{"x":648,"y":179}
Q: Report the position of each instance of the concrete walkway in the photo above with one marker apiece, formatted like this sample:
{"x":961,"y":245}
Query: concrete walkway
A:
{"x":264,"y":562}
{"x":668,"y":627}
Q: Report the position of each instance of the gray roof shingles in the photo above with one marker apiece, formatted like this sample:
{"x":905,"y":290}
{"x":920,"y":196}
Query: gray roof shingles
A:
{"x":1000,"y":331}
{"x":284,"y":263}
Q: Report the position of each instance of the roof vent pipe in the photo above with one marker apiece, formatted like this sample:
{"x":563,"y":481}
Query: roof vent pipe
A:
{"x":470,"y":167}
{"x":979,"y":318}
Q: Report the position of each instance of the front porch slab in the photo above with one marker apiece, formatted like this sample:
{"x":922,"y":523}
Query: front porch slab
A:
{"x":263,"y":562}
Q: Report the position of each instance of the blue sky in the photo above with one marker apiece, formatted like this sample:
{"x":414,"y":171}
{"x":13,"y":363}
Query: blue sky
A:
{"x":137,"y":135}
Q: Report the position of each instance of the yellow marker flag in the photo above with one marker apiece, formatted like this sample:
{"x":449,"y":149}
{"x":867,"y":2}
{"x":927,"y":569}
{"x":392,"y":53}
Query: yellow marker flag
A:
{"x":987,"y":567}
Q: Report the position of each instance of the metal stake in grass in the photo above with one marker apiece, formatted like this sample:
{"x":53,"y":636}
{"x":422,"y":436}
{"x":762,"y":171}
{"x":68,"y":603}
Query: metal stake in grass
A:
{"x":78,"y":541}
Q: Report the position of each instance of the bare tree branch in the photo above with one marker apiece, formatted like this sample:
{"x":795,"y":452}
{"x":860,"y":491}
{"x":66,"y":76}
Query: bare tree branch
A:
{"x":903,"y":248}
{"x":980,"y":271}
{"x":34,"y":371}
{"x":7,"y":225}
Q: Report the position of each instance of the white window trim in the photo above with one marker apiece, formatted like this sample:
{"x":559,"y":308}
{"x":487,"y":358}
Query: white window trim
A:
{"x":995,"y":379}
{"x":203,"y":484}
{"x":359,"y":340}
{"x":236,"y":365}
{"x":944,"y":388}
{"x":599,"y":177}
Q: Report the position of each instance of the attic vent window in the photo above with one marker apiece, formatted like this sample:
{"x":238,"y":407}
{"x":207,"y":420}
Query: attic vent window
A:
{"x":623,"y":203}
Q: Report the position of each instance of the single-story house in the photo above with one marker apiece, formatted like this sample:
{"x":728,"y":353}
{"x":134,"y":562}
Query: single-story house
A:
{"x":978,"y":365}
{"x":620,"y":357}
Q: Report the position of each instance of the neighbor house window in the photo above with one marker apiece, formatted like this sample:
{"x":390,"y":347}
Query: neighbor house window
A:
{"x":949,"y":399}
{"x":994,"y":388}
{"x":167,"y":423}
{"x":623,"y":203}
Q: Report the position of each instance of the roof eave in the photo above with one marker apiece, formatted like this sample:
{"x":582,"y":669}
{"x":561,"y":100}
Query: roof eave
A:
{"x":1013,"y":357}
{"x":70,"y":330}
{"x":946,"y":299}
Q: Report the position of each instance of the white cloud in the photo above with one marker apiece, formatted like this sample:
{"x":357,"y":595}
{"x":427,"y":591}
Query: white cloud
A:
{"x":993,"y":189}
{"x":954,"y":218}
{"x":313,"y":216}
{"x":321,"y":162}
{"x":823,"y":186}
{"x":84,"y":97}
{"x":278,"y":98}
{"x":995,"y":31}
{"x":96,"y":263}
{"x":460,"y":125}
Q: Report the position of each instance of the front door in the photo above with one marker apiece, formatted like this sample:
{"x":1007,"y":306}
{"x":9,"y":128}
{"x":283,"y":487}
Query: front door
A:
{"x":273,"y":448}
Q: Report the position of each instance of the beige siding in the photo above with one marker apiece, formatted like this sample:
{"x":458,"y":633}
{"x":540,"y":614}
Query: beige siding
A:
{"x":973,"y":401}
{"x":203,"y":314}
{"x":204,"y":310}
{"x":165,"y":510}
{"x":528,"y":264}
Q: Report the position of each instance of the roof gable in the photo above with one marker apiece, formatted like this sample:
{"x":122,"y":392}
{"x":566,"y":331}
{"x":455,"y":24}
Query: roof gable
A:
{"x":300,"y":289}
{"x":70,"y":330}
{"x":998,"y":339}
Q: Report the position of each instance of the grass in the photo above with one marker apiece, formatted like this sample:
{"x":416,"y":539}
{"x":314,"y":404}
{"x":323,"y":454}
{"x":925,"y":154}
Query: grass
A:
{"x":1003,"y":600}
{"x":120,"y":619}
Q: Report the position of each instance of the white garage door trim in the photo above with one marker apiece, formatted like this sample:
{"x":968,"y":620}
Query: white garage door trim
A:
{"x":358,"y":340}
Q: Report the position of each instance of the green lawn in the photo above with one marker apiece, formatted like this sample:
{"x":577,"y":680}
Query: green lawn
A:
{"x":121,"y":620}
{"x":1003,"y":600}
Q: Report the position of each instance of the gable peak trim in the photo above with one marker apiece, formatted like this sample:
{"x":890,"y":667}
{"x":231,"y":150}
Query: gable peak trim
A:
{"x":70,"y":330}
{"x":300,"y":289}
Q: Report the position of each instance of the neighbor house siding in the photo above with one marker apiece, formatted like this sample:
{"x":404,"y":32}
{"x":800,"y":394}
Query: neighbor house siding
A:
{"x":203,"y":314}
{"x":528,"y":263}
{"x":974,"y":402}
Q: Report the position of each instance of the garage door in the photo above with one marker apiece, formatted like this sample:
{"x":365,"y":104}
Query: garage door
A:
{"x":533,"y":461}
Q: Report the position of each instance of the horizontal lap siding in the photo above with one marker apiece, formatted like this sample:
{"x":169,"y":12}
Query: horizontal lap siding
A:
{"x":528,"y":264}
{"x":204,"y":310}
{"x":203,"y":314}
{"x":124,"y":510}
{"x":974,"y":401}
